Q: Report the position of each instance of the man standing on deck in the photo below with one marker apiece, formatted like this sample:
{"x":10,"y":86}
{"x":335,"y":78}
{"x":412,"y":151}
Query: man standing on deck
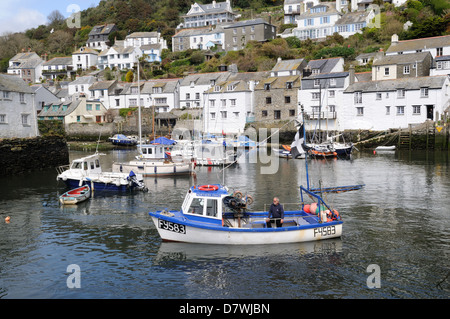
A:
{"x":276,"y":212}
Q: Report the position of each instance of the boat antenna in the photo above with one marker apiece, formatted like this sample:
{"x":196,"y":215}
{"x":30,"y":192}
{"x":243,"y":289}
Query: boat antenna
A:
{"x":302,"y":109}
{"x":98,"y":142}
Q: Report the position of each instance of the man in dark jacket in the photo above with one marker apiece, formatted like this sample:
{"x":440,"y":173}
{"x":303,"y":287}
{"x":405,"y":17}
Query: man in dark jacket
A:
{"x":276,"y":212}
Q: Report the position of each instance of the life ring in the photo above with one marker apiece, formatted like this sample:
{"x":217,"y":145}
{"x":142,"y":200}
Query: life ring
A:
{"x":208,"y":188}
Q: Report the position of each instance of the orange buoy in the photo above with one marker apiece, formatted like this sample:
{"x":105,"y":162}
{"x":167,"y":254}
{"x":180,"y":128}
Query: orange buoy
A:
{"x":7,"y":219}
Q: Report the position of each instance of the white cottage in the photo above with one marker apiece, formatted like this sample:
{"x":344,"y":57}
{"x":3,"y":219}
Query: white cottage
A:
{"x":17,"y":108}
{"x":84,"y":58}
{"x":393,"y":104}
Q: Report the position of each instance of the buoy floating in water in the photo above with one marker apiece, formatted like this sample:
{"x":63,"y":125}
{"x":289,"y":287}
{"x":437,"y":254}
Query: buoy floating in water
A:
{"x":7,"y":219}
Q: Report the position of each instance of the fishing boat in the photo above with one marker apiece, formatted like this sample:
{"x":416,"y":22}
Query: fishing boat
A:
{"x":120,"y":139}
{"x":76,"y":195}
{"x":210,"y":214}
{"x":154,"y":161}
{"x":88,"y":171}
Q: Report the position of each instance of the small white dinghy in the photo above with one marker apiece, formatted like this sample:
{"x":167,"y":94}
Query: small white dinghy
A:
{"x":76,"y":195}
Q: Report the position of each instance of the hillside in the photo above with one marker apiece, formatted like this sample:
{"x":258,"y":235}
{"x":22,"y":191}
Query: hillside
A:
{"x":428,"y":17}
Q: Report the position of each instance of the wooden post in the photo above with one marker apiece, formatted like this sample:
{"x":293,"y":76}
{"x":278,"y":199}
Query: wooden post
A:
{"x":410,"y":135}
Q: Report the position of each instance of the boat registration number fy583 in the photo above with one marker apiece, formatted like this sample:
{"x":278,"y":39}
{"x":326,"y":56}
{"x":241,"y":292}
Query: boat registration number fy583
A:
{"x":177,"y":228}
{"x":325,"y":231}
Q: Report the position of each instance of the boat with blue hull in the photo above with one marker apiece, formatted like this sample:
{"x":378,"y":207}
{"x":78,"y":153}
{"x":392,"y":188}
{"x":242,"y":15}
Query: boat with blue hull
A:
{"x":88,"y":171}
{"x":211,"y":215}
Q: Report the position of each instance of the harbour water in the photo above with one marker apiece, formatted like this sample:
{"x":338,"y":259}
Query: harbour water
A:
{"x":395,"y":241}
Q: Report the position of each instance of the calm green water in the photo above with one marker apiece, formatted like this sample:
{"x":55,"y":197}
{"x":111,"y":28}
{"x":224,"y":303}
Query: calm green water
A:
{"x":399,"y":221}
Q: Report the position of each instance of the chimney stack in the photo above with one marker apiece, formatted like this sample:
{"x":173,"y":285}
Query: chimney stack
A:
{"x":351,"y":75}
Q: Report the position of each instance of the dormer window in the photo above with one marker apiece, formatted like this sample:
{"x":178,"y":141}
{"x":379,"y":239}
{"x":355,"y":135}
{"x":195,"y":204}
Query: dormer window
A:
{"x":266,"y":86}
{"x":289,"y":85}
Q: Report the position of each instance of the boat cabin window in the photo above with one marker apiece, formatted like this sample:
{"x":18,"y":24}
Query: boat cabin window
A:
{"x":92,"y":165}
{"x":76,"y":165}
{"x":85,"y":166}
{"x":198,"y":207}
{"x":97,"y":163}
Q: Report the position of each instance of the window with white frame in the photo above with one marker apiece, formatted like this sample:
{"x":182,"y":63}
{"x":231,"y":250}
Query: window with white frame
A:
{"x":423,"y":92}
{"x":212,"y":115}
{"x":416,"y":109}
{"x":315,"y":95}
{"x":233,"y":102}
{"x":359,"y":111}
{"x":388,"y":110}
{"x":22,"y":97}
{"x":212,"y":103}
{"x":3,"y":119}
{"x":400,"y":93}
{"x":25,"y":119}
{"x":332,"y":82}
{"x":223,"y":114}
{"x":401,"y":110}
{"x":224,"y":102}
{"x":406,"y":69}
{"x":386,"y":71}
{"x":331,"y":93}
{"x":317,"y":82}
{"x":358,"y":97}
{"x":378,"y":96}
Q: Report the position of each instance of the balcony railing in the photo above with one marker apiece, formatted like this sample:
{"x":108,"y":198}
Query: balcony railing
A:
{"x":323,"y":115}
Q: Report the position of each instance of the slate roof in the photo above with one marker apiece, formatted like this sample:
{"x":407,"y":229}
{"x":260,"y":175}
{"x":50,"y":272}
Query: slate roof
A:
{"x":71,"y":106}
{"x":419,"y":44}
{"x":324,"y":65}
{"x":13,"y":83}
{"x":204,"y":78}
{"x":402,"y":58}
{"x":59,"y":61}
{"x":432,"y":82}
{"x":102,"y":29}
{"x":246,"y":23}
{"x":287,"y":65}
{"x":279,"y":82}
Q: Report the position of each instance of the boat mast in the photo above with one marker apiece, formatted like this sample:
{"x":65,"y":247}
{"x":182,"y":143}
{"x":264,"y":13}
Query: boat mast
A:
{"x":139,"y":107}
{"x":302,"y":109}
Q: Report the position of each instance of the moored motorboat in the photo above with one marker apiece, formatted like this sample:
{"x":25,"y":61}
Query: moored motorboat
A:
{"x":88,"y":171}
{"x":154,"y":161}
{"x":120,"y":139}
{"x":75,"y":196}
{"x":210,"y":215}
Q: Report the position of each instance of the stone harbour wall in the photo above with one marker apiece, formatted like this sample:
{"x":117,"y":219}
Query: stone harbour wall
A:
{"x":21,"y":155}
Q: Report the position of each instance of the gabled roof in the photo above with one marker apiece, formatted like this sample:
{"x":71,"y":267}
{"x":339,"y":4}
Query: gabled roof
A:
{"x":71,"y":106}
{"x":431,"y":82}
{"x":59,"y":61}
{"x":83,"y":80}
{"x":246,"y":23}
{"x":13,"y":83}
{"x":279,"y":82}
{"x":102,"y":29}
{"x":419,"y":44}
{"x":288,"y":65}
{"x":152,"y":34}
{"x":324,"y":65}
{"x":205,"y":78}
{"x":402,"y":58}
{"x":85,"y":50}
{"x":102,"y":85}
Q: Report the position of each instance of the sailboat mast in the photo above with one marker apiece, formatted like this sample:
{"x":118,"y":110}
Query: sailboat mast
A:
{"x":139,"y":107}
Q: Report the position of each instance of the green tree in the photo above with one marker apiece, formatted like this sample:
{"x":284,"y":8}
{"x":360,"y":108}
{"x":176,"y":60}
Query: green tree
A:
{"x":130,"y":76}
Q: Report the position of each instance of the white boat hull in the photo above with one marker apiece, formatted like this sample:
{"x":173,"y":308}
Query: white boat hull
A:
{"x":240,"y":236}
{"x":152,"y":168}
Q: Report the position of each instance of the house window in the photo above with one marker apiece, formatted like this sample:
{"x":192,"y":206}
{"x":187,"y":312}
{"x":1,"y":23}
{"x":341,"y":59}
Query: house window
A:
{"x":360,"y":111}
{"x":315,"y":95}
{"x":233,"y":102}
{"x":267,"y":86}
{"x":264,"y":113}
{"x":388,"y":110}
{"x":97,"y":107}
{"x":416,"y":109}
{"x":78,"y":118}
{"x":400,"y":110}
{"x":2,"y":118}
{"x":378,"y":96}
{"x":213,"y":115}
{"x":212,"y":103}
{"x":268,"y":100}
{"x":277,"y":114}
{"x":316,"y":82}
{"x":406,"y":69}
{"x":89,"y":107}
{"x":217,"y":88}
{"x":236,"y":114}
{"x":331,"y":93}
{"x":358,"y":97}
{"x":25,"y":119}
{"x":223,"y":114}
{"x":291,"y":112}
{"x":400,"y":93}
{"x":22,"y":97}
{"x":289,"y":85}
{"x":188,"y":96}
{"x":6,"y":95}
{"x":332,"y":82}
{"x":224,"y":102}
{"x":287,"y":99}
{"x":423,"y":92}
{"x":439,"y":51}
{"x":386,"y":71}
{"x":197,"y":96}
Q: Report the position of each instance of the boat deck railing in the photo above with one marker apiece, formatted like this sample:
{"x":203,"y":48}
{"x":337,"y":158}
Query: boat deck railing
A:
{"x":62,"y":168}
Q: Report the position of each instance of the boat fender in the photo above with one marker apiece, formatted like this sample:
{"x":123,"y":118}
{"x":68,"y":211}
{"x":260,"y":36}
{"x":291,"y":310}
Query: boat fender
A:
{"x":306,"y":208}
{"x":208,"y":188}
{"x":238,"y":194}
{"x":313,"y":208}
{"x":249,"y":200}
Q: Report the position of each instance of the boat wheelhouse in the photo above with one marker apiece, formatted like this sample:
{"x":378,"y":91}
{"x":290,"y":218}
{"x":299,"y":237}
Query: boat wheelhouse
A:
{"x":153,"y":161}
